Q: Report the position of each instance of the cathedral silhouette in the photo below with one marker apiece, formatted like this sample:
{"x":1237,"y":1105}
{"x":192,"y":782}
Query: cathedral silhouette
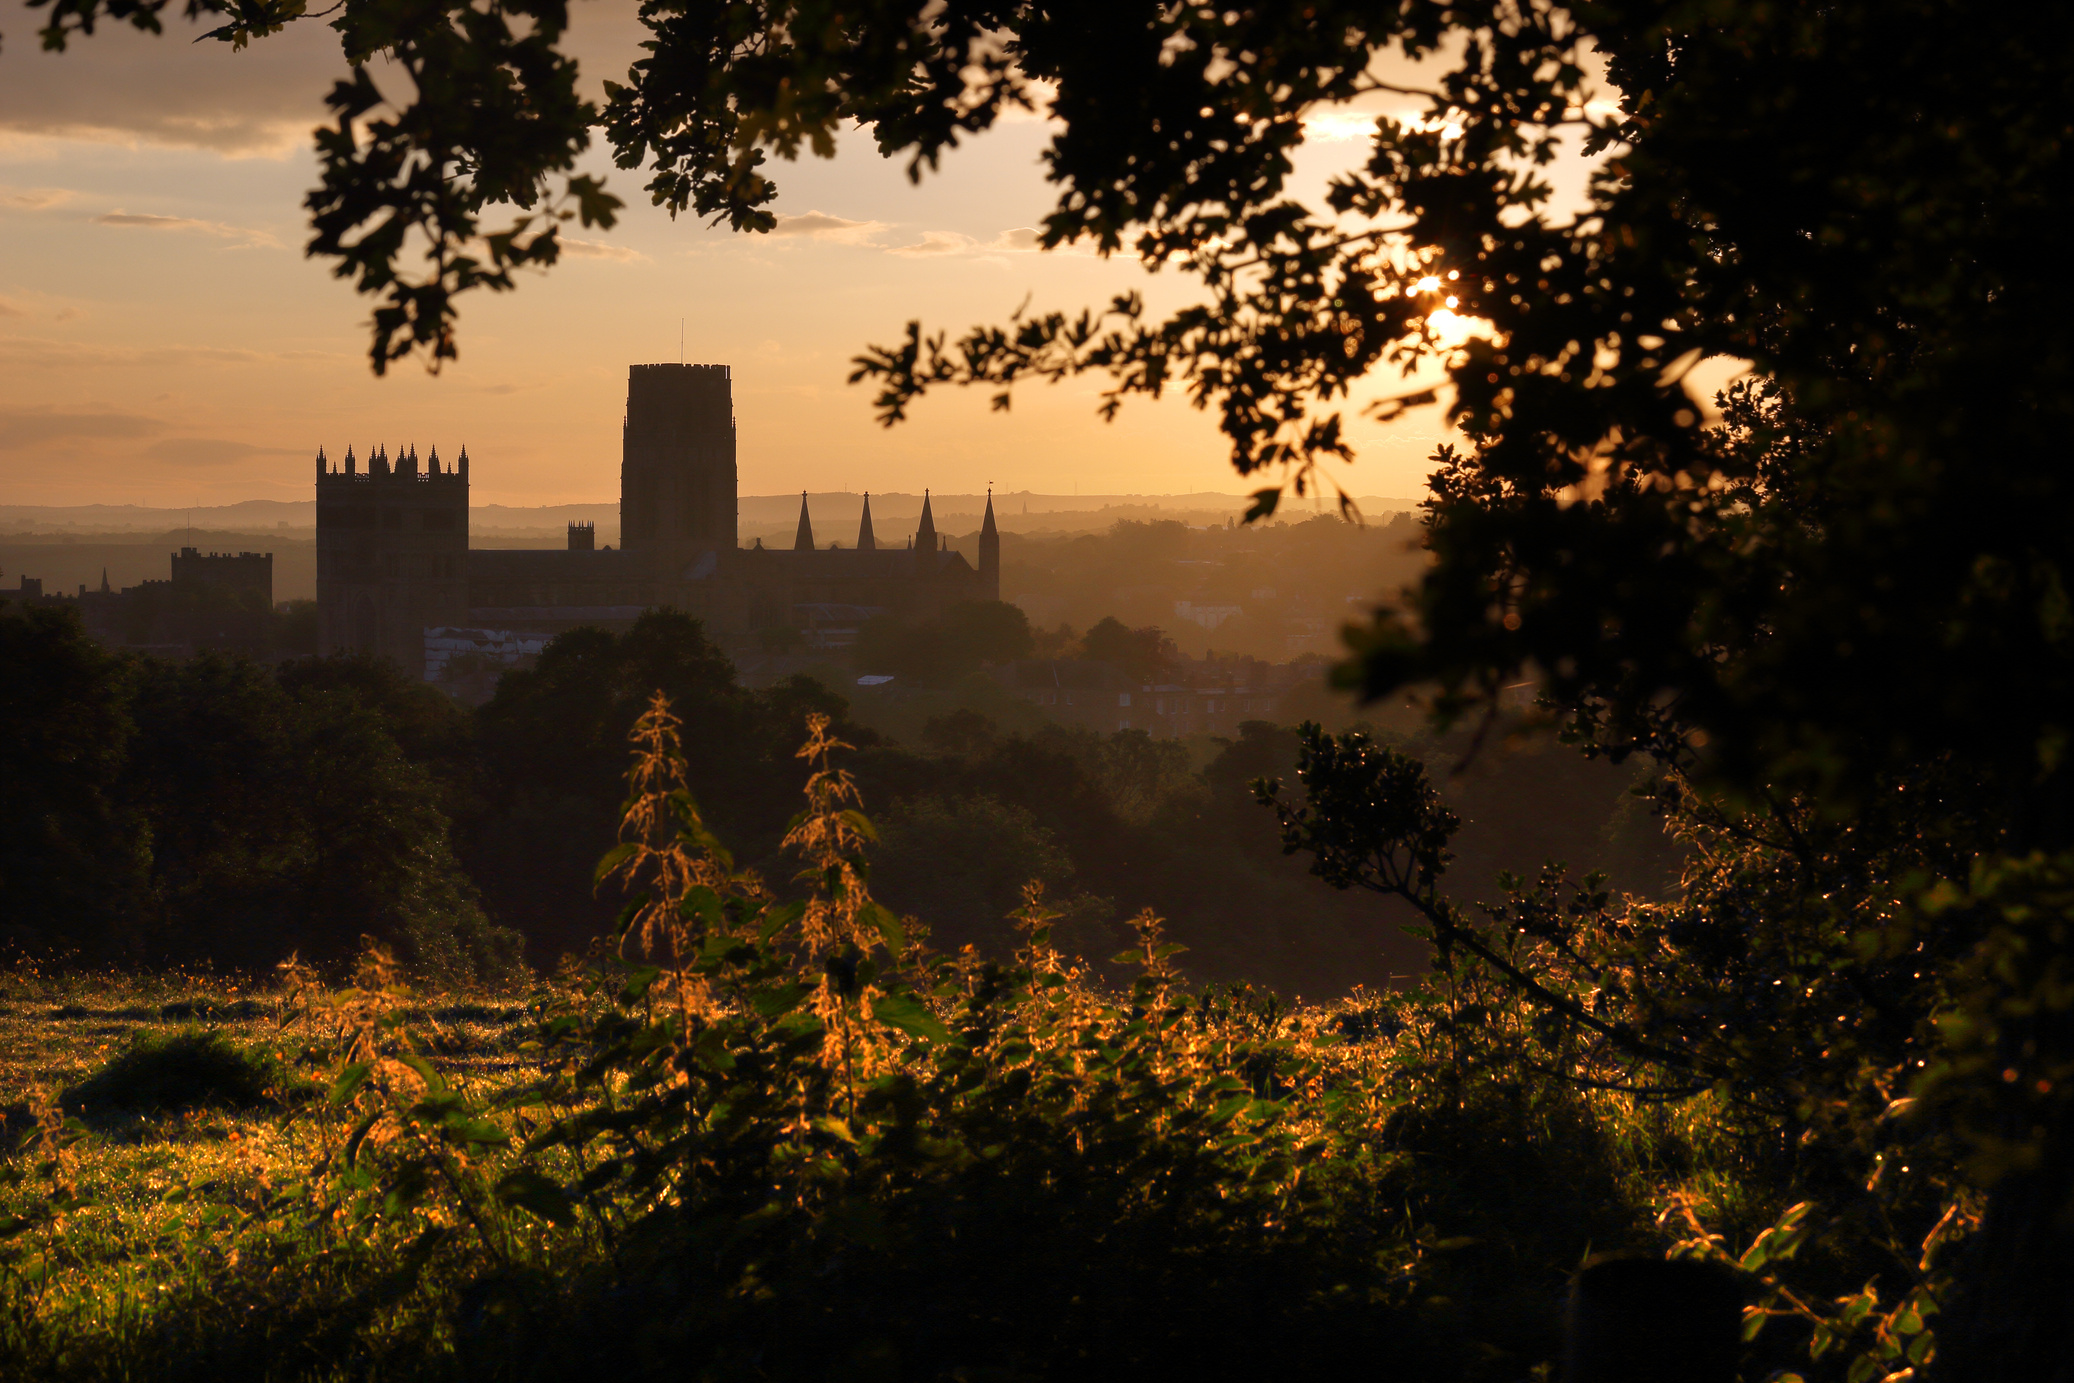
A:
{"x":394,"y":565}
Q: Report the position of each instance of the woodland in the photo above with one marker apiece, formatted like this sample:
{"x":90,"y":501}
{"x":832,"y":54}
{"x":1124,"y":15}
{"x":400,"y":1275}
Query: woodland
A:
{"x":1822,"y":616}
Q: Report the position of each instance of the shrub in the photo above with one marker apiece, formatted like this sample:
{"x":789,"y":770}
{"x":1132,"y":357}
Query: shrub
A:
{"x":166,"y":1073}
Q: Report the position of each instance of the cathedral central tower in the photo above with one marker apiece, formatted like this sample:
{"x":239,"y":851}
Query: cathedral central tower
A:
{"x":677,"y":472}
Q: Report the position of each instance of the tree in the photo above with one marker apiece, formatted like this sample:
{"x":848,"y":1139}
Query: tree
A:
{"x":1858,"y":575}
{"x":70,"y":854}
{"x":960,"y":864}
{"x":552,"y":754}
{"x":286,"y":821}
{"x":947,"y":646}
{"x":1139,"y":654}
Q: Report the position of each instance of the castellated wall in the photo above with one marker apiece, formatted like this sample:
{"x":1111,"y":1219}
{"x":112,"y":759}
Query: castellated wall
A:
{"x":393,"y":564}
{"x":392,"y":552}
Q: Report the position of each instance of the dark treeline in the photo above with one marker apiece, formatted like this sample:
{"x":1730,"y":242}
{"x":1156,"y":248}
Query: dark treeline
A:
{"x":217,"y":811}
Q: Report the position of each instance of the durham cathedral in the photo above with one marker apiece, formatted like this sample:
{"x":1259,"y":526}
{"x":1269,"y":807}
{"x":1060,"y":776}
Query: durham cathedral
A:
{"x":394,"y":565}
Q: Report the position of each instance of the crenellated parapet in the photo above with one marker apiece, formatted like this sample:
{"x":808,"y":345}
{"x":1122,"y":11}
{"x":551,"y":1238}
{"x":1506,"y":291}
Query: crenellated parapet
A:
{"x":392,"y":550}
{"x":404,"y":469}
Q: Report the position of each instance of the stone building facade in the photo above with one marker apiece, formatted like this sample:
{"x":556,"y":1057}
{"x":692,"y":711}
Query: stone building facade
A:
{"x":393,"y":561}
{"x":392,"y":552}
{"x":222,"y":601}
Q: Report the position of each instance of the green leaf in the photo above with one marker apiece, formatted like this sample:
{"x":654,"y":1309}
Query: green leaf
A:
{"x":778,"y":917}
{"x":464,"y":1129}
{"x":772,"y":1003}
{"x":860,"y":823}
{"x":638,"y":983}
{"x":540,"y":1195}
{"x":350,"y":1080}
{"x":435,"y":1084}
{"x":909,"y":1014}
{"x":702,"y":905}
{"x":359,"y":1136}
{"x":887,"y":924}
{"x":613,"y":859}
{"x":711,"y":1050}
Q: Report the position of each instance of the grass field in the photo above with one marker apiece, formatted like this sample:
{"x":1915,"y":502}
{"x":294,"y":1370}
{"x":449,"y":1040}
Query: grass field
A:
{"x":207,"y":1178}
{"x":132,"y":1220}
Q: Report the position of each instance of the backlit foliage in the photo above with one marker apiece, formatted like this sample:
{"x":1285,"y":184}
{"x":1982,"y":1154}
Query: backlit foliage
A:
{"x":777,"y":1135}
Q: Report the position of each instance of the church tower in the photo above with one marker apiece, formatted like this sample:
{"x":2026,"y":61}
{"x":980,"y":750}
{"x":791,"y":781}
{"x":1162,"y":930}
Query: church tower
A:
{"x":677,"y":472}
{"x":392,"y":553}
{"x":867,"y":541}
{"x":925,"y":538}
{"x":803,"y":540}
{"x":989,"y":555}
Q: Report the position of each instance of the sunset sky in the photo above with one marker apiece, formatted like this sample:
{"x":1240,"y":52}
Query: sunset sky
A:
{"x":163,"y":340}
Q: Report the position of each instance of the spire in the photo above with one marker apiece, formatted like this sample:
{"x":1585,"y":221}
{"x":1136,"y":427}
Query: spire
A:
{"x":464,"y":461}
{"x":803,"y":541}
{"x":352,"y":466}
{"x":989,"y":554}
{"x":865,"y":541}
{"x":321,"y":463}
{"x":432,"y":462}
{"x":104,"y":581}
{"x":925,"y":536}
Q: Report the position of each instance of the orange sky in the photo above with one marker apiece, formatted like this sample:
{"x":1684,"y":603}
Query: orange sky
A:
{"x":163,"y":341}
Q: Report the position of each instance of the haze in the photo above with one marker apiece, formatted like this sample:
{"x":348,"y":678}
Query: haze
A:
{"x":164,"y":342}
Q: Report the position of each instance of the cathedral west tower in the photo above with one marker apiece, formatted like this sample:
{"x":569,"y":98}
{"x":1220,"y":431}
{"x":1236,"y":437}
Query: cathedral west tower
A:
{"x":677,"y":473}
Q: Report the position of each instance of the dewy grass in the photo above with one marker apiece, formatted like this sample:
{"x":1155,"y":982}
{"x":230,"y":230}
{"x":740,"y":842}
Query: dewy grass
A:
{"x":170,"y":1073}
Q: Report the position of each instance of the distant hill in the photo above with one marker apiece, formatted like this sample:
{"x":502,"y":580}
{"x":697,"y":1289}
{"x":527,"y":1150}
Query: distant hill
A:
{"x":70,"y":545}
{"x":1018,"y":509}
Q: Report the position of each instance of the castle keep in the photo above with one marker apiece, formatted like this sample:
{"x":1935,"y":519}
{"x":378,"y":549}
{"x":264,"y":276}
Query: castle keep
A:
{"x":393,"y":561}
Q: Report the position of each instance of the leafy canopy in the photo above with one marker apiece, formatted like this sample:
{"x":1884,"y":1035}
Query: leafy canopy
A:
{"x":1864,"y":201}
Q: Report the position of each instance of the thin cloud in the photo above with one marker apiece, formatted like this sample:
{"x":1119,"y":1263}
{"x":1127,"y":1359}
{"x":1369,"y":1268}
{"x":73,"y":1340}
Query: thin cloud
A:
{"x":8,"y":309}
{"x":31,"y":427}
{"x":936,"y":243}
{"x":819,"y":225}
{"x":26,"y":351}
{"x":598,"y":249}
{"x":33,"y":198}
{"x":147,"y":221}
{"x":135,"y":89}
{"x":1016,"y":240}
{"x":209,"y":451}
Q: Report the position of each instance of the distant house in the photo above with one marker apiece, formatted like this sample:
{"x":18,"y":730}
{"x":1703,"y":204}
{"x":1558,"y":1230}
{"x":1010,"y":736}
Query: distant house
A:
{"x":1207,"y":616}
{"x":1175,"y":711}
{"x":1078,"y":691}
